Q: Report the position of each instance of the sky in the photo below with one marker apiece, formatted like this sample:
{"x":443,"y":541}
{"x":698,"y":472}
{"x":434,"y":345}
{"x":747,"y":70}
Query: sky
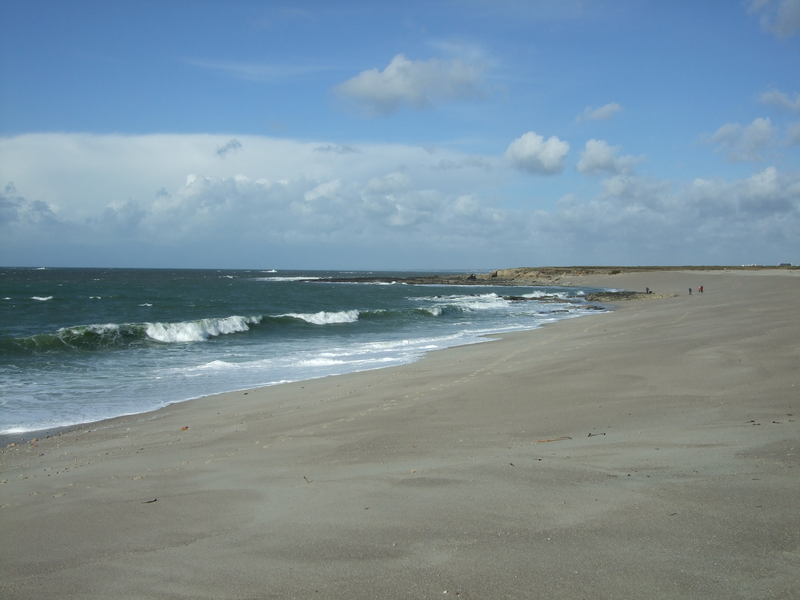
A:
{"x":449,"y":134}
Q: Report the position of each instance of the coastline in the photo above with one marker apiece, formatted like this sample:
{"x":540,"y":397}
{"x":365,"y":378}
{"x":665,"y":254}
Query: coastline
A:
{"x":616,"y":455}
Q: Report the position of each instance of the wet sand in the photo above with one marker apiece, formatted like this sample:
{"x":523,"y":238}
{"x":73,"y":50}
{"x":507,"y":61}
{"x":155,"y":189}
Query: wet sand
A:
{"x":651,"y":452}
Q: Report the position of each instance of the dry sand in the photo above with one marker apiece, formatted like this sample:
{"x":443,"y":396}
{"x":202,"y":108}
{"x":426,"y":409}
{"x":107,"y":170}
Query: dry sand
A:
{"x":435,"y":480}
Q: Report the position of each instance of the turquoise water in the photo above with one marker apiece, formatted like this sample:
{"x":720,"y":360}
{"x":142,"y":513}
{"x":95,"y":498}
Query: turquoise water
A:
{"x":80,"y":345}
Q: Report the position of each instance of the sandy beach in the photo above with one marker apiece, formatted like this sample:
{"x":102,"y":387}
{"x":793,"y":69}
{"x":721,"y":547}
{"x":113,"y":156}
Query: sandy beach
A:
{"x":649,"y":452}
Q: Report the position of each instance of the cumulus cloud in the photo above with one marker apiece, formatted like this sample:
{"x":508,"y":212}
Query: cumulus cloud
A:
{"x":598,"y":157}
{"x":755,"y":219}
{"x":389,"y":206}
{"x":743,"y":144}
{"x":781,"y":17}
{"x":604,"y":113}
{"x":418,"y":84}
{"x":280,"y":196}
{"x":533,"y":154}
{"x":782,"y":100}
{"x":16,"y":209}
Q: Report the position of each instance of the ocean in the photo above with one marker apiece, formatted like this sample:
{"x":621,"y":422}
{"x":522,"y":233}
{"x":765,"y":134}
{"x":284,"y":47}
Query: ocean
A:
{"x":81,"y":345}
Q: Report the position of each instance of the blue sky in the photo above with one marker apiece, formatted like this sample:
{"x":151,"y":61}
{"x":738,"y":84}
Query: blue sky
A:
{"x":375,"y":135}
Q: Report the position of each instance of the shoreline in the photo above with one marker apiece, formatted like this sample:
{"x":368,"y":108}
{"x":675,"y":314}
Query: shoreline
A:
{"x":20,"y":437}
{"x":651,"y":451}
{"x":521,"y":277}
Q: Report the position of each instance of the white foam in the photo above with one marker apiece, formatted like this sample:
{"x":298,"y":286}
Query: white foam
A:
{"x":96,"y":328}
{"x":318,"y":362}
{"x":326,"y":318}
{"x":468,"y":303}
{"x":41,"y":298}
{"x":285,"y":278}
{"x":197,"y":331}
{"x":214,"y":365}
{"x":538,"y":294}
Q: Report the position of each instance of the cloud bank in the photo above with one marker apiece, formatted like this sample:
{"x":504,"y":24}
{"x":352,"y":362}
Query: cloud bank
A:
{"x":129,"y":200}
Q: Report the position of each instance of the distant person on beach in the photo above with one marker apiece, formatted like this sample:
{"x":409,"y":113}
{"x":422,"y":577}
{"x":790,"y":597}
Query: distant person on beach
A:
{"x":700,"y":289}
{"x":690,"y":291}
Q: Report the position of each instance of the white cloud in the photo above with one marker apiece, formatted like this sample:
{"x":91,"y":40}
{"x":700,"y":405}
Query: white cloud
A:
{"x":419,"y":84}
{"x":743,"y":144}
{"x":154,"y":199}
{"x":329,"y":189}
{"x":781,"y":17}
{"x":337,"y":148}
{"x":756,"y":219}
{"x":781,"y":99}
{"x":464,"y":163}
{"x":598,"y":157}
{"x":533,"y":154}
{"x":604,"y":113}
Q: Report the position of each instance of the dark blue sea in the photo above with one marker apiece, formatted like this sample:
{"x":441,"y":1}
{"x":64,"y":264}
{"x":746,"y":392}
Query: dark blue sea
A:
{"x":80,"y":345}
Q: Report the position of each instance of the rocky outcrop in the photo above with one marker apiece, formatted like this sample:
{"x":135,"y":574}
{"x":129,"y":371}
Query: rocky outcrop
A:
{"x":563,"y":276}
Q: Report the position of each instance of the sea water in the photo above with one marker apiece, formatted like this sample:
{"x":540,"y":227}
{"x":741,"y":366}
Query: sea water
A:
{"x":81,"y":345}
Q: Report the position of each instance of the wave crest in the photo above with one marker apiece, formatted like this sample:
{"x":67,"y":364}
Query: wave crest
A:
{"x":326,"y":318}
{"x":197,"y":331}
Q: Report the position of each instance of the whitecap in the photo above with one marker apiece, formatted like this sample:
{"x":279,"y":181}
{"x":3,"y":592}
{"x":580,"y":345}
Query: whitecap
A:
{"x":41,"y":298}
{"x":197,"y":331}
{"x":214,"y":365}
{"x":285,"y":278}
{"x":318,"y":362}
{"x":326,"y":318}
{"x":466,"y":303}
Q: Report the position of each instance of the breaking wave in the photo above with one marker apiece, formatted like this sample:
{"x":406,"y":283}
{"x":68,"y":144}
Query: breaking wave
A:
{"x":326,"y":318}
{"x":114,"y":335}
{"x":197,"y":331}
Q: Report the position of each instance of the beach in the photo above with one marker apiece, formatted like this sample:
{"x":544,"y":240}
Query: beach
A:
{"x":648,"y":452}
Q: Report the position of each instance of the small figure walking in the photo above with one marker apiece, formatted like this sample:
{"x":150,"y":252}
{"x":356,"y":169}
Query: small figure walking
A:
{"x":690,"y":291}
{"x":701,"y":289}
